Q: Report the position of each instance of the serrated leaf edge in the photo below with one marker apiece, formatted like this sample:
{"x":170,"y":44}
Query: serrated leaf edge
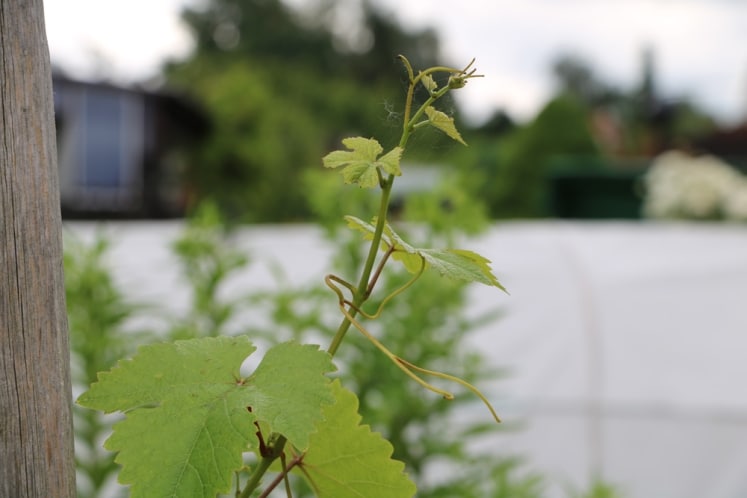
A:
{"x":475,"y":262}
{"x":444,"y":123}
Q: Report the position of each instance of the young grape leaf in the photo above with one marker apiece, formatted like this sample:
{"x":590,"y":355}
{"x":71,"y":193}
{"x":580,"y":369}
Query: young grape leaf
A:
{"x":360,"y":164}
{"x":187,"y":420}
{"x":429,"y":83}
{"x":457,"y":264}
{"x":347,"y":460}
{"x":444,"y":123}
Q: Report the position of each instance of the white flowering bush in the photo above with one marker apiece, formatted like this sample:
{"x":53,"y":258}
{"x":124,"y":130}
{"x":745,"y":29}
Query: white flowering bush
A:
{"x":701,"y":188}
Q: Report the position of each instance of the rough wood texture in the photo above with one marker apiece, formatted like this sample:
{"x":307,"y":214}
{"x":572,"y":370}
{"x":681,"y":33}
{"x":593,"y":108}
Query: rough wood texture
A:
{"x":36,"y":441}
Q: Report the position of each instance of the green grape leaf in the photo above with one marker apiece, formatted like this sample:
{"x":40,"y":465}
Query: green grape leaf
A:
{"x":187,"y":420}
{"x":444,"y":123}
{"x":182,"y":451}
{"x":360,"y":164}
{"x":458,"y":264}
{"x":168,"y":370}
{"x":347,"y":460}
{"x":389,"y":162}
{"x":429,"y":83}
{"x":291,"y":389}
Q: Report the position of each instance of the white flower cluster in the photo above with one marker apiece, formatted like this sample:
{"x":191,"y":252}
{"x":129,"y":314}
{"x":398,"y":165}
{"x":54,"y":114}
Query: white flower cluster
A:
{"x":704,"y":188}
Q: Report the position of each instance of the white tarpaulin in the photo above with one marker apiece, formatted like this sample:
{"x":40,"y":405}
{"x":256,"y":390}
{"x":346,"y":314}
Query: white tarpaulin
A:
{"x":625,"y":343}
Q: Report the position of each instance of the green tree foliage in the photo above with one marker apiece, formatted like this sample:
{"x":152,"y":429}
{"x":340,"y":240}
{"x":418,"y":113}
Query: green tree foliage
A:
{"x":589,"y":123}
{"x":349,"y":39}
{"x":647,"y":122}
{"x":279,"y":85}
{"x":513,"y":169}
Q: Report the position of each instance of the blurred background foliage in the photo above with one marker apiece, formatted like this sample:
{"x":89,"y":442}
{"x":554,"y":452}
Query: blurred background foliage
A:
{"x":283,"y":85}
{"x":282,"y":88}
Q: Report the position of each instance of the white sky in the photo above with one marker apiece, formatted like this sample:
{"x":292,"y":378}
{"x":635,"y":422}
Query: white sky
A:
{"x":700,"y":46}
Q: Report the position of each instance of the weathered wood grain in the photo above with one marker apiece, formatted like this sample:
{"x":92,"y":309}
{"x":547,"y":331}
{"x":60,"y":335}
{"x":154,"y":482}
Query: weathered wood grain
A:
{"x":36,"y":441}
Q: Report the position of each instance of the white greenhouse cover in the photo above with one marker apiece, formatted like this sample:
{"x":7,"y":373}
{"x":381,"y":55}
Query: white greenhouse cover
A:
{"x":625,"y":343}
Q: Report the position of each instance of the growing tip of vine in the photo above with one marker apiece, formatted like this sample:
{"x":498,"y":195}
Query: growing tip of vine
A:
{"x":458,"y":80}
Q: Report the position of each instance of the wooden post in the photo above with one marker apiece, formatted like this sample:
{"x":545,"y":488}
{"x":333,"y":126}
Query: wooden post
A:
{"x":36,"y":438}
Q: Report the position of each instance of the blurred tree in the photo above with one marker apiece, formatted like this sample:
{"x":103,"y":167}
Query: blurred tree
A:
{"x":646,"y":123}
{"x":499,"y":123}
{"x":510,"y":171}
{"x":576,"y":78}
{"x":588,"y":123}
{"x":281,"y":85}
{"x":262,"y":29}
{"x":560,"y":129}
{"x":691,"y":124}
{"x":258,"y":141}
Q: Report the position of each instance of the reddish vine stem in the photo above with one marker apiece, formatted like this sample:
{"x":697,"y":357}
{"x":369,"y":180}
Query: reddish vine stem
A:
{"x":379,"y":269}
{"x":283,"y":475}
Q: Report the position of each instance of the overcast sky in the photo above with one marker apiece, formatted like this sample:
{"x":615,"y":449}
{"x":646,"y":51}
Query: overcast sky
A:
{"x":700,"y":46}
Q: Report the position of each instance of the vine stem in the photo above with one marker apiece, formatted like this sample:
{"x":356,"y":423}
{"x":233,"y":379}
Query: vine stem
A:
{"x":256,"y":476}
{"x":283,"y":476}
{"x":359,"y":297}
{"x":342,"y":301}
{"x":365,"y":284}
{"x":362,"y":291}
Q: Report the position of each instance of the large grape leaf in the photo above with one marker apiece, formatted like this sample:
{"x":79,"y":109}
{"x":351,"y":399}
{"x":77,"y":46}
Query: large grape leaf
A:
{"x":347,"y":460}
{"x":360,"y":164}
{"x":187,"y":420}
{"x":183,"y":451}
{"x":457,"y":264}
